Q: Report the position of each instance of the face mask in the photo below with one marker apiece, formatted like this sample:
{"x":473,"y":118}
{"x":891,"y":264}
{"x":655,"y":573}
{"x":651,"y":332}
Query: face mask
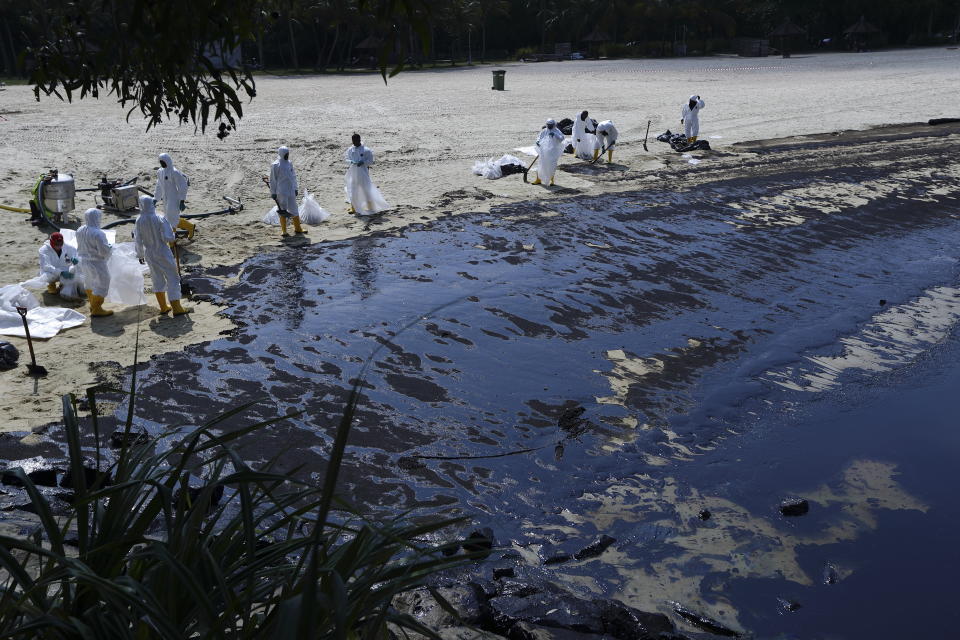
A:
{"x":549,"y":126}
{"x":163,"y":164}
{"x":286,"y":156}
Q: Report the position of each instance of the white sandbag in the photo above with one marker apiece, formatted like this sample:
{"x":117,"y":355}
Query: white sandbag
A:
{"x":44,"y":322}
{"x":272,"y":217}
{"x":310,"y":211}
{"x":126,"y":276}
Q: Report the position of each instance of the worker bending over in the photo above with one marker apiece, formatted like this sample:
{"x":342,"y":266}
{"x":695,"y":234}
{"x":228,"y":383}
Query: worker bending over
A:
{"x":94,"y":252}
{"x":58,"y":265}
{"x":153,"y":235}
{"x":584,"y":140}
{"x":284,"y":191}
{"x":362,"y":195}
{"x":172,"y":192}
{"x":690,"y":118}
{"x":607,"y":135}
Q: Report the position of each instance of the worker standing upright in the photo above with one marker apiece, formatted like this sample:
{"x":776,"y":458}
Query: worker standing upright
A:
{"x":284,"y":191}
{"x":690,"y":118}
{"x":94,"y":252}
{"x":171,"y":190}
{"x":152,"y":236}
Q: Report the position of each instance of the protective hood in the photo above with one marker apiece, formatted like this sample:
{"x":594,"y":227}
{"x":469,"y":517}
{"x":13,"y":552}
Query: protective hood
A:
{"x":91,"y":218}
{"x":282,"y":152}
{"x":165,"y":157}
{"x":146,"y":205}
{"x":551,"y":121}
{"x":694,"y":98}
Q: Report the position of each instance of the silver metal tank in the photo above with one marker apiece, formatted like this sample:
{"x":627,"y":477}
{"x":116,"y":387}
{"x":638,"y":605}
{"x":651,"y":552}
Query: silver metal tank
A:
{"x":58,"y":193}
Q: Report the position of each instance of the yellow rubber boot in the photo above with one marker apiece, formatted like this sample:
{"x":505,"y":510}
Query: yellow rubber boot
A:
{"x":283,"y":227}
{"x":178,"y":309}
{"x":692,"y":140}
{"x":537,"y":181}
{"x":89,"y":293}
{"x":96,"y":308}
{"x":162,"y":301}
{"x":351,"y":209}
{"x":189,"y":226}
{"x":52,"y":288}
{"x":551,"y":182}
{"x":610,"y":155}
{"x":596,"y":154}
{"x":296,"y":225}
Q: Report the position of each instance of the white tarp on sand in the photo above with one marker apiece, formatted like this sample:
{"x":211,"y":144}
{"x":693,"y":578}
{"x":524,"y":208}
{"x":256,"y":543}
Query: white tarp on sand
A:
{"x":44,"y":322}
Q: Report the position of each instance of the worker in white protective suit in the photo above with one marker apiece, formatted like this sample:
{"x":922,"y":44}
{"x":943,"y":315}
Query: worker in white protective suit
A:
{"x":690,"y":118}
{"x":362,"y":195}
{"x":284,"y":191}
{"x":607,"y":136}
{"x":584,"y":140}
{"x":152,"y":236}
{"x":550,"y":148}
{"x":171,"y":190}
{"x":58,"y":264}
{"x":94,"y":252}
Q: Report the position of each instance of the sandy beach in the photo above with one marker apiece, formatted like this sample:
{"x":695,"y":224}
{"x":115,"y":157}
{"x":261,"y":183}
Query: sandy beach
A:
{"x":426,"y":128}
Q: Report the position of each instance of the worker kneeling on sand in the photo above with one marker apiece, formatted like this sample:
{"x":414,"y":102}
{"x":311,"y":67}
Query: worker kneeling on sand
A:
{"x":284,"y":191}
{"x":690,"y":118}
{"x":58,"y":264}
{"x":153,"y":235}
{"x":607,"y":134}
{"x":172,"y":192}
{"x":362,"y":195}
{"x":94,"y":251}
{"x":550,"y":147}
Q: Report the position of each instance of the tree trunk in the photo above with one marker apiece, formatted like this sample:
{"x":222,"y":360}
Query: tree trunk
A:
{"x":333,"y":47}
{"x":263,"y":63}
{"x":293,"y":42}
{"x":15,"y":66}
{"x":8,"y":68}
{"x":483,"y":41}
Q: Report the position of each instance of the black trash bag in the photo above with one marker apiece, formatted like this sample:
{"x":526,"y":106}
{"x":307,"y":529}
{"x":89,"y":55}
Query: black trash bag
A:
{"x":510,"y":169}
{"x":9,"y":355}
{"x":678,"y":142}
{"x":568,"y":148}
{"x":566,"y":126}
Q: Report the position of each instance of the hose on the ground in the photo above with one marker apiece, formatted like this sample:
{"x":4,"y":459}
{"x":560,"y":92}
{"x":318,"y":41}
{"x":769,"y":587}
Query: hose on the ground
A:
{"x":14,"y":209}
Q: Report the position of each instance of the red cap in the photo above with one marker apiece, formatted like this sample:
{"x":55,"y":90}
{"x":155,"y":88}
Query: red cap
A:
{"x":56,"y":238}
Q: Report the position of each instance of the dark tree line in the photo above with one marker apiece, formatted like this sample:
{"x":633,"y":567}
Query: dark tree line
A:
{"x":194,"y":60}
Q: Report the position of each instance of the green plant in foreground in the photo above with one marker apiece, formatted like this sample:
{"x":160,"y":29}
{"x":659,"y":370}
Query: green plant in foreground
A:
{"x":141,"y":557}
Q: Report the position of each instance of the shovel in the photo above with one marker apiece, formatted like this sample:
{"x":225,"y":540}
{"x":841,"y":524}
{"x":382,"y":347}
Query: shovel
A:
{"x":645,"y":136}
{"x":530,"y":167}
{"x":185,"y":288}
{"x":33,"y":369}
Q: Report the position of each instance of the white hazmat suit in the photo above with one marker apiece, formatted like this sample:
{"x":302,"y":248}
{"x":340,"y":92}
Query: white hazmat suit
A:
{"x":550,"y":147}
{"x":283,"y":182}
{"x":94,"y":251}
{"x":690,"y":117}
{"x":584,"y":140}
{"x":152,"y":236}
{"x":284,"y":189}
{"x":364,"y":197}
{"x":171,"y":190}
{"x":60,"y":268}
{"x":607,"y":135}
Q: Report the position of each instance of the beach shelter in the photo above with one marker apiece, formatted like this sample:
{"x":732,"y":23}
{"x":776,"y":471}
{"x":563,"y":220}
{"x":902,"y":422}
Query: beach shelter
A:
{"x":859,"y":32}
{"x":369,"y":46}
{"x":787,"y":32}
{"x":594,"y":39}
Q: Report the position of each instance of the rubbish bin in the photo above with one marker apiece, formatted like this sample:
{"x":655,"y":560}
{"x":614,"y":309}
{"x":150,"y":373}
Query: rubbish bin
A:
{"x":498,"y":75}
